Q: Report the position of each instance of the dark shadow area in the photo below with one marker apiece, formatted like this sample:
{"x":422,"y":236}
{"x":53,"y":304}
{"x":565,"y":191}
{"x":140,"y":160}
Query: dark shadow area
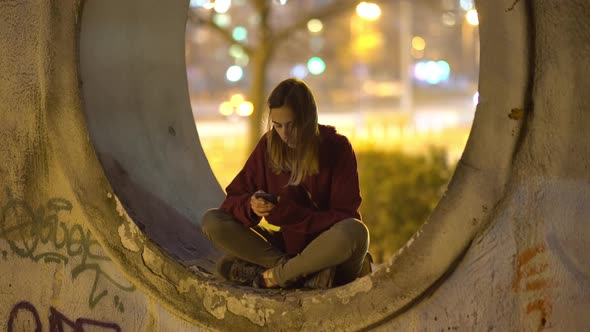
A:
{"x":181,"y":239}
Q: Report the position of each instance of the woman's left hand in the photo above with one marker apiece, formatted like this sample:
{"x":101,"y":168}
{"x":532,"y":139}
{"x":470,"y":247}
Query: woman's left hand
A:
{"x":260,"y":206}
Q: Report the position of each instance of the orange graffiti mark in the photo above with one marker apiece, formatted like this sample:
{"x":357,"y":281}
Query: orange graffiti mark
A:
{"x":536,"y":285}
{"x":542,"y":307}
{"x":522,"y":271}
{"x":530,"y":278}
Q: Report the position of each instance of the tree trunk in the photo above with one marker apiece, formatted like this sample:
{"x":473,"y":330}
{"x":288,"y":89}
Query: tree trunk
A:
{"x":257,"y":95}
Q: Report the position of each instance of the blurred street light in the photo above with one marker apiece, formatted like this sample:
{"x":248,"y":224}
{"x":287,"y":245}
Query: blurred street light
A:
{"x":471,"y":17}
{"x":226,"y":108}
{"x":237,"y":99}
{"x":466,"y":4}
{"x":365,"y":36}
{"x":315,"y":25}
{"x":418,"y":43}
{"x":222,"y":20}
{"x":418,"y":46}
{"x":368,"y":11}
{"x":299,"y":71}
{"x":207,"y":4}
{"x":316,"y":65}
{"x":234,"y":73}
{"x":221,"y":6}
{"x":236,"y":105}
{"x":245,"y":108}
{"x":239,"y":33}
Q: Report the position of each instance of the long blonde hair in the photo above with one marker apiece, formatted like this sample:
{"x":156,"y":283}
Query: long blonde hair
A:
{"x":303,"y":160}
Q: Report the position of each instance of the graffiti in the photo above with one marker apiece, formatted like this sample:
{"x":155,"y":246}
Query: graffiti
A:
{"x":119,"y":304}
{"x":531,"y":279}
{"x":19,"y":320}
{"x":29,"y":232}
{"x":24,"y":306}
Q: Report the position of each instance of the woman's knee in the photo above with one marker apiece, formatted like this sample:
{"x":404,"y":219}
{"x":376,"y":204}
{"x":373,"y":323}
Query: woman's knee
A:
{"x":213,"y":222}
{"x":354,"y":232}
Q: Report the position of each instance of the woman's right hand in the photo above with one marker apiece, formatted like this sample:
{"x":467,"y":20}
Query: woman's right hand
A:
{"x":260,"y":206}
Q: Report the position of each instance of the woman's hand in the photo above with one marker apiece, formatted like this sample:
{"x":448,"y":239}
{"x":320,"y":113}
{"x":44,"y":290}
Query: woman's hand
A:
{"x":260,"y":206}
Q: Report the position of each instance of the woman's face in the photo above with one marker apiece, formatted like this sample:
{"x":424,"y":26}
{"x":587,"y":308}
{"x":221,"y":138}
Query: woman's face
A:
{"x":283,"y":121}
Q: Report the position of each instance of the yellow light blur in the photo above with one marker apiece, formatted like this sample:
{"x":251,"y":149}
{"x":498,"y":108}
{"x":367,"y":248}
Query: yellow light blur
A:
{"x":237,"y":103}
{"x":382,"y":89}
{"x":471,"y":17}
{"x":314,"y":25}
{"x":418,"y":43}
{"x":236,"y":99}
{"x":226,"y":108}
{"x":369,"y":41}
{"x":368,"y":11}
{"x":245,"y":108}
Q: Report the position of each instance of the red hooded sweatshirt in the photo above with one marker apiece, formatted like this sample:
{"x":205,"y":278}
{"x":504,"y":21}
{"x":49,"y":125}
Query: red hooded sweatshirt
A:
{"x":334,"y":193}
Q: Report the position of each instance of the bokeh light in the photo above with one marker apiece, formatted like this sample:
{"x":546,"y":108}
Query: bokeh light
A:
{"x":314,"y":25}
{"x":207,"y":4}
{"x":222,"y":20}
{"x":245,"y":108}
{"x":418,"y":43}
{"x":240,"y":33}
{"x":226,"y":108}
{"x":237,"y":98}
{"x":368,"y":11}
{"x":221,"y":6}
{"x":449,"y":19}
{"x":472,"y":17}
{"x":299,"y":71}
{"x":466,"y":4}
{"x":432,"y":72}
{"x":234,"y":73}
{"x":316,"y":65}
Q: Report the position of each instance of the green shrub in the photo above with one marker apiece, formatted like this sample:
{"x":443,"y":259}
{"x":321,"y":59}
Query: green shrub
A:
{"x":399,"y":191}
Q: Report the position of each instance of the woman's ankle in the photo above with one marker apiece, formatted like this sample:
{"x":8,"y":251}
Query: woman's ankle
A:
{"x":266,"y":279}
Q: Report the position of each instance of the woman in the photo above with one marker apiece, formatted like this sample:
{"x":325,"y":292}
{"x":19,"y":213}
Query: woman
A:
{"x":312,"y":172}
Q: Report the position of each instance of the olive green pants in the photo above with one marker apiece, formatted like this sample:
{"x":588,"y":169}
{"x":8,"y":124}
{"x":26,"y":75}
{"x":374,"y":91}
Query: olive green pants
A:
{"x":344,"y":246}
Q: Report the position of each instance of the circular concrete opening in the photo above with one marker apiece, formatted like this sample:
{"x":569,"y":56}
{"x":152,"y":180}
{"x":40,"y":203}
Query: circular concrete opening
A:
{"x":137,"y":109}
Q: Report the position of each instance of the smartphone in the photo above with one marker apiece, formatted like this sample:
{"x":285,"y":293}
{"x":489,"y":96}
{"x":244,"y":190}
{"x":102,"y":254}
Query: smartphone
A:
{"x":267,"y":197}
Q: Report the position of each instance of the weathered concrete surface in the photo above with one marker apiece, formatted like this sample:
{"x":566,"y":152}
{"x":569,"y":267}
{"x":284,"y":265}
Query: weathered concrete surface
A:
{"x":96,"y":139}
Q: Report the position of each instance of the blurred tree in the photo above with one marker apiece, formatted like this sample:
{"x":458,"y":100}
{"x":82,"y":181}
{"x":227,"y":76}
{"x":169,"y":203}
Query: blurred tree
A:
{"x":399,"y":191}
{"x":267,"y":40}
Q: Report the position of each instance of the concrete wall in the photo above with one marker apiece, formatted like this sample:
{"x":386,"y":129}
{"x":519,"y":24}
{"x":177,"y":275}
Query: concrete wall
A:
{"x":104,"y":182}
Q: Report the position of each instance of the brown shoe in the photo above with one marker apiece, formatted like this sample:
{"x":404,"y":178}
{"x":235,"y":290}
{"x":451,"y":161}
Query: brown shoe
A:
{"x":239,"y":271}
{"x":321,"y":280}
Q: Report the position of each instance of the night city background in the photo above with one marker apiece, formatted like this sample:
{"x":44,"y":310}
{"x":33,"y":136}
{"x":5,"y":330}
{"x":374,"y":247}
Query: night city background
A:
{"x":397,"y":77}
